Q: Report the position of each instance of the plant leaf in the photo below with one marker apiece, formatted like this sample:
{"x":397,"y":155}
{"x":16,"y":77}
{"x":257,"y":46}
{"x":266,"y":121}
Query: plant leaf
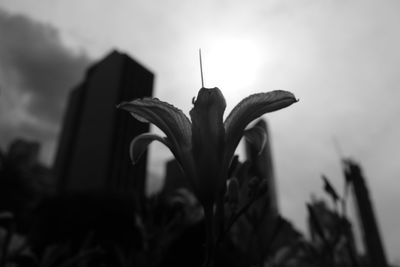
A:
{"x":140,"y":143}
{"x":172,"y":121}
{"x":257,"y":137}
{"x":251,"y":108}
{"x":329,"y":189}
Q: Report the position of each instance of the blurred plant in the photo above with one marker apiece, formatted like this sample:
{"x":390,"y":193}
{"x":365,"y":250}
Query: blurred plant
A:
{"x":20,"y":191}
{"x":256,"y":229}
{"x":164,"y":220}
{"x":17,"y":188}
{"x":333,"y":241}
{"x":204,"y":147}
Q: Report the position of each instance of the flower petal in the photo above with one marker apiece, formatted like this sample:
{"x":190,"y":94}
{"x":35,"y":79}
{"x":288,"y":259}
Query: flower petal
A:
{"x":169,"y":119}
{"x":251,"y":108}
{"x":207,"y":116}
{"x":140,"y":143}
{"x":208,"y":137}
{"x":257,"y":137}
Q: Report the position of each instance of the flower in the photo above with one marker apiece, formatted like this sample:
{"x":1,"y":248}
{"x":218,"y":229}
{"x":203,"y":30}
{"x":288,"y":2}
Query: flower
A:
{"x":204,"y":146}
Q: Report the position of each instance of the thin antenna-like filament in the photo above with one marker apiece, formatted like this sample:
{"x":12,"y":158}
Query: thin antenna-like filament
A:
{"x":201,"y":69}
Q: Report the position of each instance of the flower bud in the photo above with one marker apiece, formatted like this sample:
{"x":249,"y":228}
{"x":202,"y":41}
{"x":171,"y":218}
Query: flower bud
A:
{"x":253,"y":185}
{"x":233,"y":192}
{"x":262,"y":188}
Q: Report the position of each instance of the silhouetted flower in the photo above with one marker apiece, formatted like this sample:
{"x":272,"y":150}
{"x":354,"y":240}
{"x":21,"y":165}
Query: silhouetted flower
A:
{"x":205,"y":146}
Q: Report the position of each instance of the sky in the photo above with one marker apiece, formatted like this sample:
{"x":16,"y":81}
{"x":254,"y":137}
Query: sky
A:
{"x":340,"y":58}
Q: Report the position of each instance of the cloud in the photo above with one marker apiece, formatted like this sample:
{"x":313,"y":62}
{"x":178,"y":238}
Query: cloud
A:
{"x":36,"y":73}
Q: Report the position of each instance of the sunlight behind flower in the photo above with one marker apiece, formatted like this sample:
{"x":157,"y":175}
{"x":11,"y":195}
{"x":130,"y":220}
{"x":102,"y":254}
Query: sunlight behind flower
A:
{"x":231,"y":64}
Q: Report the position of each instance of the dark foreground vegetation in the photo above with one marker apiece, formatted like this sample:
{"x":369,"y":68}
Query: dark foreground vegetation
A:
{"x":225,"y":214}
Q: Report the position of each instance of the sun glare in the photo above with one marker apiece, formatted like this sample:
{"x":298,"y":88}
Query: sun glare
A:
{"x":231,"y":64}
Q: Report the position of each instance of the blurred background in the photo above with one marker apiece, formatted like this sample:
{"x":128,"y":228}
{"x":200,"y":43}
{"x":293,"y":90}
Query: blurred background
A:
{"x":341,"y":59}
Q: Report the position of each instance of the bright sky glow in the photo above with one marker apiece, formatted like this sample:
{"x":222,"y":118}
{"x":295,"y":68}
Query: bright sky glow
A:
{"x":232,"y":64}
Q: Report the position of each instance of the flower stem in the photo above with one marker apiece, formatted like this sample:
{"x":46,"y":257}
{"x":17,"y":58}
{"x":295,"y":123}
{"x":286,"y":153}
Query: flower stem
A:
{"x":210,"y":237}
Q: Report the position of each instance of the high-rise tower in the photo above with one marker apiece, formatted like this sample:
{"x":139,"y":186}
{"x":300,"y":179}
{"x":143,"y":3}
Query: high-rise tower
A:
{"x":373,"y":243}
{"x":262,"y":166}
{"x":92,"y":155}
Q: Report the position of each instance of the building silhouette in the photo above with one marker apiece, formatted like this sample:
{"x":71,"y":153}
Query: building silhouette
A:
{"x":267,"y":205}
{"x":174,"y":177}
{"x":92,"y":154}
{"x":372,"y":239}
{"x":262,"y":166}
{"x":22,"y":176}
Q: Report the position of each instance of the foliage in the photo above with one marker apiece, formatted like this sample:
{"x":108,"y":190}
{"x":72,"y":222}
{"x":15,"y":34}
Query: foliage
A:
{"x":205,"y":146}
{"x":223,"y":217}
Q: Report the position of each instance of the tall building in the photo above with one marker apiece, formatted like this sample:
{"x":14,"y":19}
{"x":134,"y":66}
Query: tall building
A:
{"x":174,"y":177}
{"x":92,"y":154}
{"x":372,"y":239}
{"x":23,"y":180}
{"x":262,"y":166}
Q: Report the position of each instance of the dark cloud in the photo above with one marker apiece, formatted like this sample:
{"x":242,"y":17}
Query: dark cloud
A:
{"x":36,"y":73}
{"x":34,"y":54}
